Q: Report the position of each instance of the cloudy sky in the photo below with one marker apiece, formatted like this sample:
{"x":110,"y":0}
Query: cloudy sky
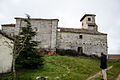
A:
{"x":69,"y":13}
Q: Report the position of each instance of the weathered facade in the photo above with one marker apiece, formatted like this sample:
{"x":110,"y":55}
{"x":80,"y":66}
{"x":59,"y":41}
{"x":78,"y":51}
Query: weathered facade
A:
{"x":46,"y":31}
{"x":85,"y":40}
{"x":88,"y":43}
{"x":6,"y":53}
{"x":8,"y":29}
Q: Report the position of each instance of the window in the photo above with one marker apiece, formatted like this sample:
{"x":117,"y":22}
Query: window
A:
{"x":89,"y":19}
{"x":80,"y":36}
{"x":58,"y":30}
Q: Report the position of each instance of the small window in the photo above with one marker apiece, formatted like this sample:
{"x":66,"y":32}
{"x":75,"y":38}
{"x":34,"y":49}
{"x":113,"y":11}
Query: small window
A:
{"x":58,"y":29}
{"x":89,"y":19}
{"x":80,"y":36}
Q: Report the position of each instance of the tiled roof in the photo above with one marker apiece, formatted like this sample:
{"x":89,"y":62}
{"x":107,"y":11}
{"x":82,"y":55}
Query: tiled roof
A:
{"x":35,"y":18}
{"x":76,"y":30}
{"x":8,"y":25}
{"x":87,"y":15}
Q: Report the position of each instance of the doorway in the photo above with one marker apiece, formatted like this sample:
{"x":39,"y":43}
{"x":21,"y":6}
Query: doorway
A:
{"x":80,"y":50}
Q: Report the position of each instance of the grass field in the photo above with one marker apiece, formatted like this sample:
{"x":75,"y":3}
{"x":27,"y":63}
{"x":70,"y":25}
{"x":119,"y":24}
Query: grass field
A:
{"x":112,"y":74}
{"x":68,"y":68}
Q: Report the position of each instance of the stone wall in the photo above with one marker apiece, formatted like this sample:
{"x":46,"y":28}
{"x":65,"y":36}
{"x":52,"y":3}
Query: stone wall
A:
{"x":8,"y":29}
{"x":90,"y":43}
{"x":6,"y":51}
{"x":46,"y":31}
{"x":89,"y":23}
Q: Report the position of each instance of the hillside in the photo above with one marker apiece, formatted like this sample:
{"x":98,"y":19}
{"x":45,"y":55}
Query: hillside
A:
{"x":67,"y":68}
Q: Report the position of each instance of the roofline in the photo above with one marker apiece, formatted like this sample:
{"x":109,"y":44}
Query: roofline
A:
{"x":87,"y":15}
{"x":35,"y":18}
{"x":67,"y":28}
{"x":84,"y":33}
{"x":6,"y":25}
{"x":80,"y":32}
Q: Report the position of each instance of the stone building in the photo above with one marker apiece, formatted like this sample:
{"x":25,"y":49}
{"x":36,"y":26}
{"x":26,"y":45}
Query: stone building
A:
{"x":8,"y":29}
{"x":46,"y":31}
{"x":85,"y":40}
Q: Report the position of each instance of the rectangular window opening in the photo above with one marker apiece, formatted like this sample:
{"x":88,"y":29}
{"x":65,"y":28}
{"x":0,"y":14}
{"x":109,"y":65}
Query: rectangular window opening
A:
{"x":80,"y":36}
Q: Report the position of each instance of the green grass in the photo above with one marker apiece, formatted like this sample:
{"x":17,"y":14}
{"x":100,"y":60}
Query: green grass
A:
{"x":81,"y":68}
{"x":113,"y":73}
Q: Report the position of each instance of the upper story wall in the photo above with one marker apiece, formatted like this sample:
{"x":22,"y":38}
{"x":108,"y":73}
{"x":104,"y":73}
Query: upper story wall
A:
{"x":88,"y":22}
{"x":45,"y":28}
{"x":8,"y":29}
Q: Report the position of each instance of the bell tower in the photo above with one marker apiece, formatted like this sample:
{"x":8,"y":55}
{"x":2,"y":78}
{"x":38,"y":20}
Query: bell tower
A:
{"x":88,"y":22}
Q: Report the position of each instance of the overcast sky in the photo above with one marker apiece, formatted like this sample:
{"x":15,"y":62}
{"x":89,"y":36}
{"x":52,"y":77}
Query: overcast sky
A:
{"x":69,"y":13}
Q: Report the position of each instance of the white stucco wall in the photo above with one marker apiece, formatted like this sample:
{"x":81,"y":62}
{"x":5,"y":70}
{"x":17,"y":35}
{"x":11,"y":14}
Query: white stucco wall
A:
{"x":6,"y":49}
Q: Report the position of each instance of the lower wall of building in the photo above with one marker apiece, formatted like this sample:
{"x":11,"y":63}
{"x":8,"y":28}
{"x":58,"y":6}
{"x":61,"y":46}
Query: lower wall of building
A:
{"x":5,"y":55}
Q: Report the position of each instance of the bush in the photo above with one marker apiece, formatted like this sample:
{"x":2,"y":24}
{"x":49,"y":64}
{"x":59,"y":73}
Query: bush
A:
{"x":30,"y":60}
{"x":90,"y":56}
{"x":67,"y":52}
{"x":6,"y":78}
